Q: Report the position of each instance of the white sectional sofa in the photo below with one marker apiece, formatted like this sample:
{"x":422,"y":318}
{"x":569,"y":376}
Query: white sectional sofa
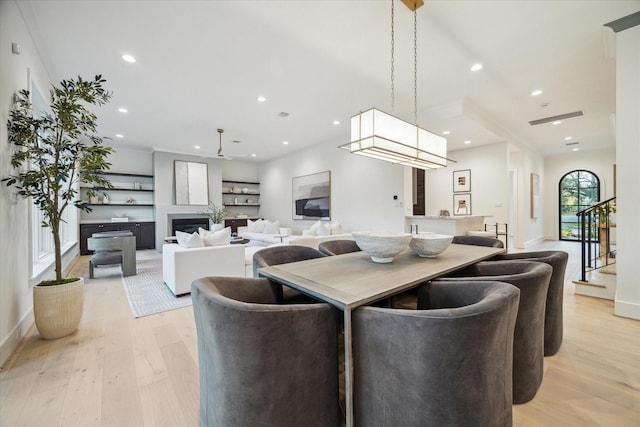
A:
{"x":264,"y":239}
{"x":181,"y":266}
{"x":318,"y":233}
{"x":314,"y":241}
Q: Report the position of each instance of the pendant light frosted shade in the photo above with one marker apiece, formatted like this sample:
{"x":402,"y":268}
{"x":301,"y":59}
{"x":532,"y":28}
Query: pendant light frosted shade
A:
{"x":377,"y":134}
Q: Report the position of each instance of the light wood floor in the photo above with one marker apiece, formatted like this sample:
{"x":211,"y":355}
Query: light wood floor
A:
{"x":120,"y":371}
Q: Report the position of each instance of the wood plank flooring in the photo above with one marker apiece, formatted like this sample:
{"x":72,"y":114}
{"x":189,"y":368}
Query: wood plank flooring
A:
{"x":120,"y":371}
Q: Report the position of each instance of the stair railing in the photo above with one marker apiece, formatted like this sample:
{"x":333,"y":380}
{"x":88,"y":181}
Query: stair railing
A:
{"x":592,"y":220}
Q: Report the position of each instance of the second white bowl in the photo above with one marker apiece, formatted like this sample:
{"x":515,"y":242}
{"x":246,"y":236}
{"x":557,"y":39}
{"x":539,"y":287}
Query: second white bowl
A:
{"x":429,"y":245}
{"x":381,"y":246}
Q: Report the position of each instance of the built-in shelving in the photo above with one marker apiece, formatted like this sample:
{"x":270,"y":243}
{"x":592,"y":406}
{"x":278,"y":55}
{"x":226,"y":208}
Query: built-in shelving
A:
{"x":239,"y":195}
{"x":137,"y":187}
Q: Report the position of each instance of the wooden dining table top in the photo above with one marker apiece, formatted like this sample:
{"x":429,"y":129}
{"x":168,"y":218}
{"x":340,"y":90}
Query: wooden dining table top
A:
{"x":351,"y":280}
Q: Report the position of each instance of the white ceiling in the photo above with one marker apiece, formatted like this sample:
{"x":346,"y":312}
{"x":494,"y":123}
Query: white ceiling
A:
{"x":202,"y":64}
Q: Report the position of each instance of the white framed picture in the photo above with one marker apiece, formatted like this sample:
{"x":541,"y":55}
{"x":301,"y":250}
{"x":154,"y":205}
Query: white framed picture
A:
{"x":462,"y":181}
{"x":462,"y":204}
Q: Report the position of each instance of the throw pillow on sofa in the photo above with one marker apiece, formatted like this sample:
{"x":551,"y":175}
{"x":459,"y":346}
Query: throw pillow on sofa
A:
{"x":255,"y":226}
{"x":215,"y":238}
{"x":272,"y":227}
{"x":187,"y":240}
{"x":318,"y":229}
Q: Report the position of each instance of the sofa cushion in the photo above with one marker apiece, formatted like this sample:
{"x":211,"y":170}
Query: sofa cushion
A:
{"x":318,"y":229}
{"x":272,"y":227}
{"x":256,"y":226}
{"x":215,"y":238}
{"x":187,"y":240}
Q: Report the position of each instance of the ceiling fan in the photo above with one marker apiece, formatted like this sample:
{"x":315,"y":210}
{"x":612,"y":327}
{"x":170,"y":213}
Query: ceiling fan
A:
{"x":221,"y":155}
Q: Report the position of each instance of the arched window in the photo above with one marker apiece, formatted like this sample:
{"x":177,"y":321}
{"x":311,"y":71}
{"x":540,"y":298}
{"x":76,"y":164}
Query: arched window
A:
{"x":578,"y":190}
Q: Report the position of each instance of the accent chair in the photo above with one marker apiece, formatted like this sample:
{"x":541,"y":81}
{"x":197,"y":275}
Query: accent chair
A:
{"x":532,"y":278}
{"x":263,"y":363}
{"x":447,"y":364}
{"x":553,"y":323}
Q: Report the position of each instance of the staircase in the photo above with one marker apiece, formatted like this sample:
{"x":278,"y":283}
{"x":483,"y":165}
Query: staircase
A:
{"x":598,"y":253}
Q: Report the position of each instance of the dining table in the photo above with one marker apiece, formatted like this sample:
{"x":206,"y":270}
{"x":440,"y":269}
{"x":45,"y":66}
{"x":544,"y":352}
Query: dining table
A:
{"x":349,"y":281}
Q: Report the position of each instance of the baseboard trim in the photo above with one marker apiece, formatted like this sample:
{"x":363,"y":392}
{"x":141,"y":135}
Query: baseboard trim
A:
{"x":14,"y":339}
{"x":533,"y":242}
{"x":627,"y":309}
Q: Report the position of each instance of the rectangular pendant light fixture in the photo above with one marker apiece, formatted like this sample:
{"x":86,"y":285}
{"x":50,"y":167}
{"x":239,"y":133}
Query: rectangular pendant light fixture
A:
{"x":382,"y":136}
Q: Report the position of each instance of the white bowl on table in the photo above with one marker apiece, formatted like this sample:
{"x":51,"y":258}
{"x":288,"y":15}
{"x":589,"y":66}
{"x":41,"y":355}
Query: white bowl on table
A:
{"x":428,"y":245}
{"x":381,"y":246}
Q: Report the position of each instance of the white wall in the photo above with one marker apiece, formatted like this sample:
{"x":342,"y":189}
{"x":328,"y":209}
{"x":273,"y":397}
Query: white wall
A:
{"x":125,"y":160}
{"x":362,"y":189}
{"x":489,"y":182}
{"x":627,"y":299}
{"x":16,"y":308}
{"x":600,"y":162}
{"x":527,"y":230}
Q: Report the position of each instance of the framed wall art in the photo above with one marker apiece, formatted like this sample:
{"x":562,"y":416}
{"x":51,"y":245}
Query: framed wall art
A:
{"x":191,"y":183}
{"x":312,"y":196}
{"x":535,"y":195}
{"x":462,"y":204}
{"x":462,"y":181}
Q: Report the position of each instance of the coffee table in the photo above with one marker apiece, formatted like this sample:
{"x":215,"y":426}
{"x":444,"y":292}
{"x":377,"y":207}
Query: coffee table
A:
{"x":239,"y":241}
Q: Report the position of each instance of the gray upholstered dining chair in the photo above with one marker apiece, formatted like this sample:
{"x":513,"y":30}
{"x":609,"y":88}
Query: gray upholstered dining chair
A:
{"x":338,"y":247}
{"x":532,"y":278}
{"x":478,"y":241}
{"x":262,"y":363}
{"x":553,"y":322}
{"x":447,"y":364}
{"x":113,"y":248}
{"x":282,"y":255}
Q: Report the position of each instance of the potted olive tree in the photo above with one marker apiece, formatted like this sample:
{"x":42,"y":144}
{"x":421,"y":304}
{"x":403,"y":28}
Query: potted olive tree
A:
{"x":54,"y":152}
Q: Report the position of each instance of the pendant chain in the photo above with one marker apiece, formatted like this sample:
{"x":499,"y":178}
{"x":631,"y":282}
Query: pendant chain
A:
{"x":415,"y":67}
{"x":393,"y":99}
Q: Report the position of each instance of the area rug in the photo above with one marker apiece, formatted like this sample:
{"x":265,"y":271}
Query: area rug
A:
{"x":146,"y":291}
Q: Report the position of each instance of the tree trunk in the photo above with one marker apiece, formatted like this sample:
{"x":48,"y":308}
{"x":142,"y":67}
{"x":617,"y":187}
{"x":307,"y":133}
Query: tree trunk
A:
{"x":55,"y":229}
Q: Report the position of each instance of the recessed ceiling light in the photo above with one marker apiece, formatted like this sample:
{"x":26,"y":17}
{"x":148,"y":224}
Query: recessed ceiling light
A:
{"x":476,"y":67}
{"x":336,"y":122}
{"x":128,"y":58}
{"x":285,"y":142}
{"x":576,"y":149}
{"x":446,"y":132}
{"x":536,"y":93}
{"x":123,"y":110}
{"x":261,"y":98}
{"x":567,"y":138}
{"x":119,"y":135}
{"x":253,"y":155}
{"x":467,"y":142}
{"x":197,"y":147}
{"x":557,"y":122}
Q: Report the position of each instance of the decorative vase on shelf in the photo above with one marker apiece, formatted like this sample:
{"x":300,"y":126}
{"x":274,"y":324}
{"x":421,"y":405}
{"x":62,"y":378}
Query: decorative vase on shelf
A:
{"x":105,"y":199}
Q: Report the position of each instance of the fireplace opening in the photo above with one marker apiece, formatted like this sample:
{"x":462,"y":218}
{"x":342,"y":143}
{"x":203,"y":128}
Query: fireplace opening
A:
{"x":188,"y":225}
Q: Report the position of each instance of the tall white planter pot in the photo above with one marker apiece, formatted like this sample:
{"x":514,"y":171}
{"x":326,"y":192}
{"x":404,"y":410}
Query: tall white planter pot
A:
{"x":58,"y":309}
